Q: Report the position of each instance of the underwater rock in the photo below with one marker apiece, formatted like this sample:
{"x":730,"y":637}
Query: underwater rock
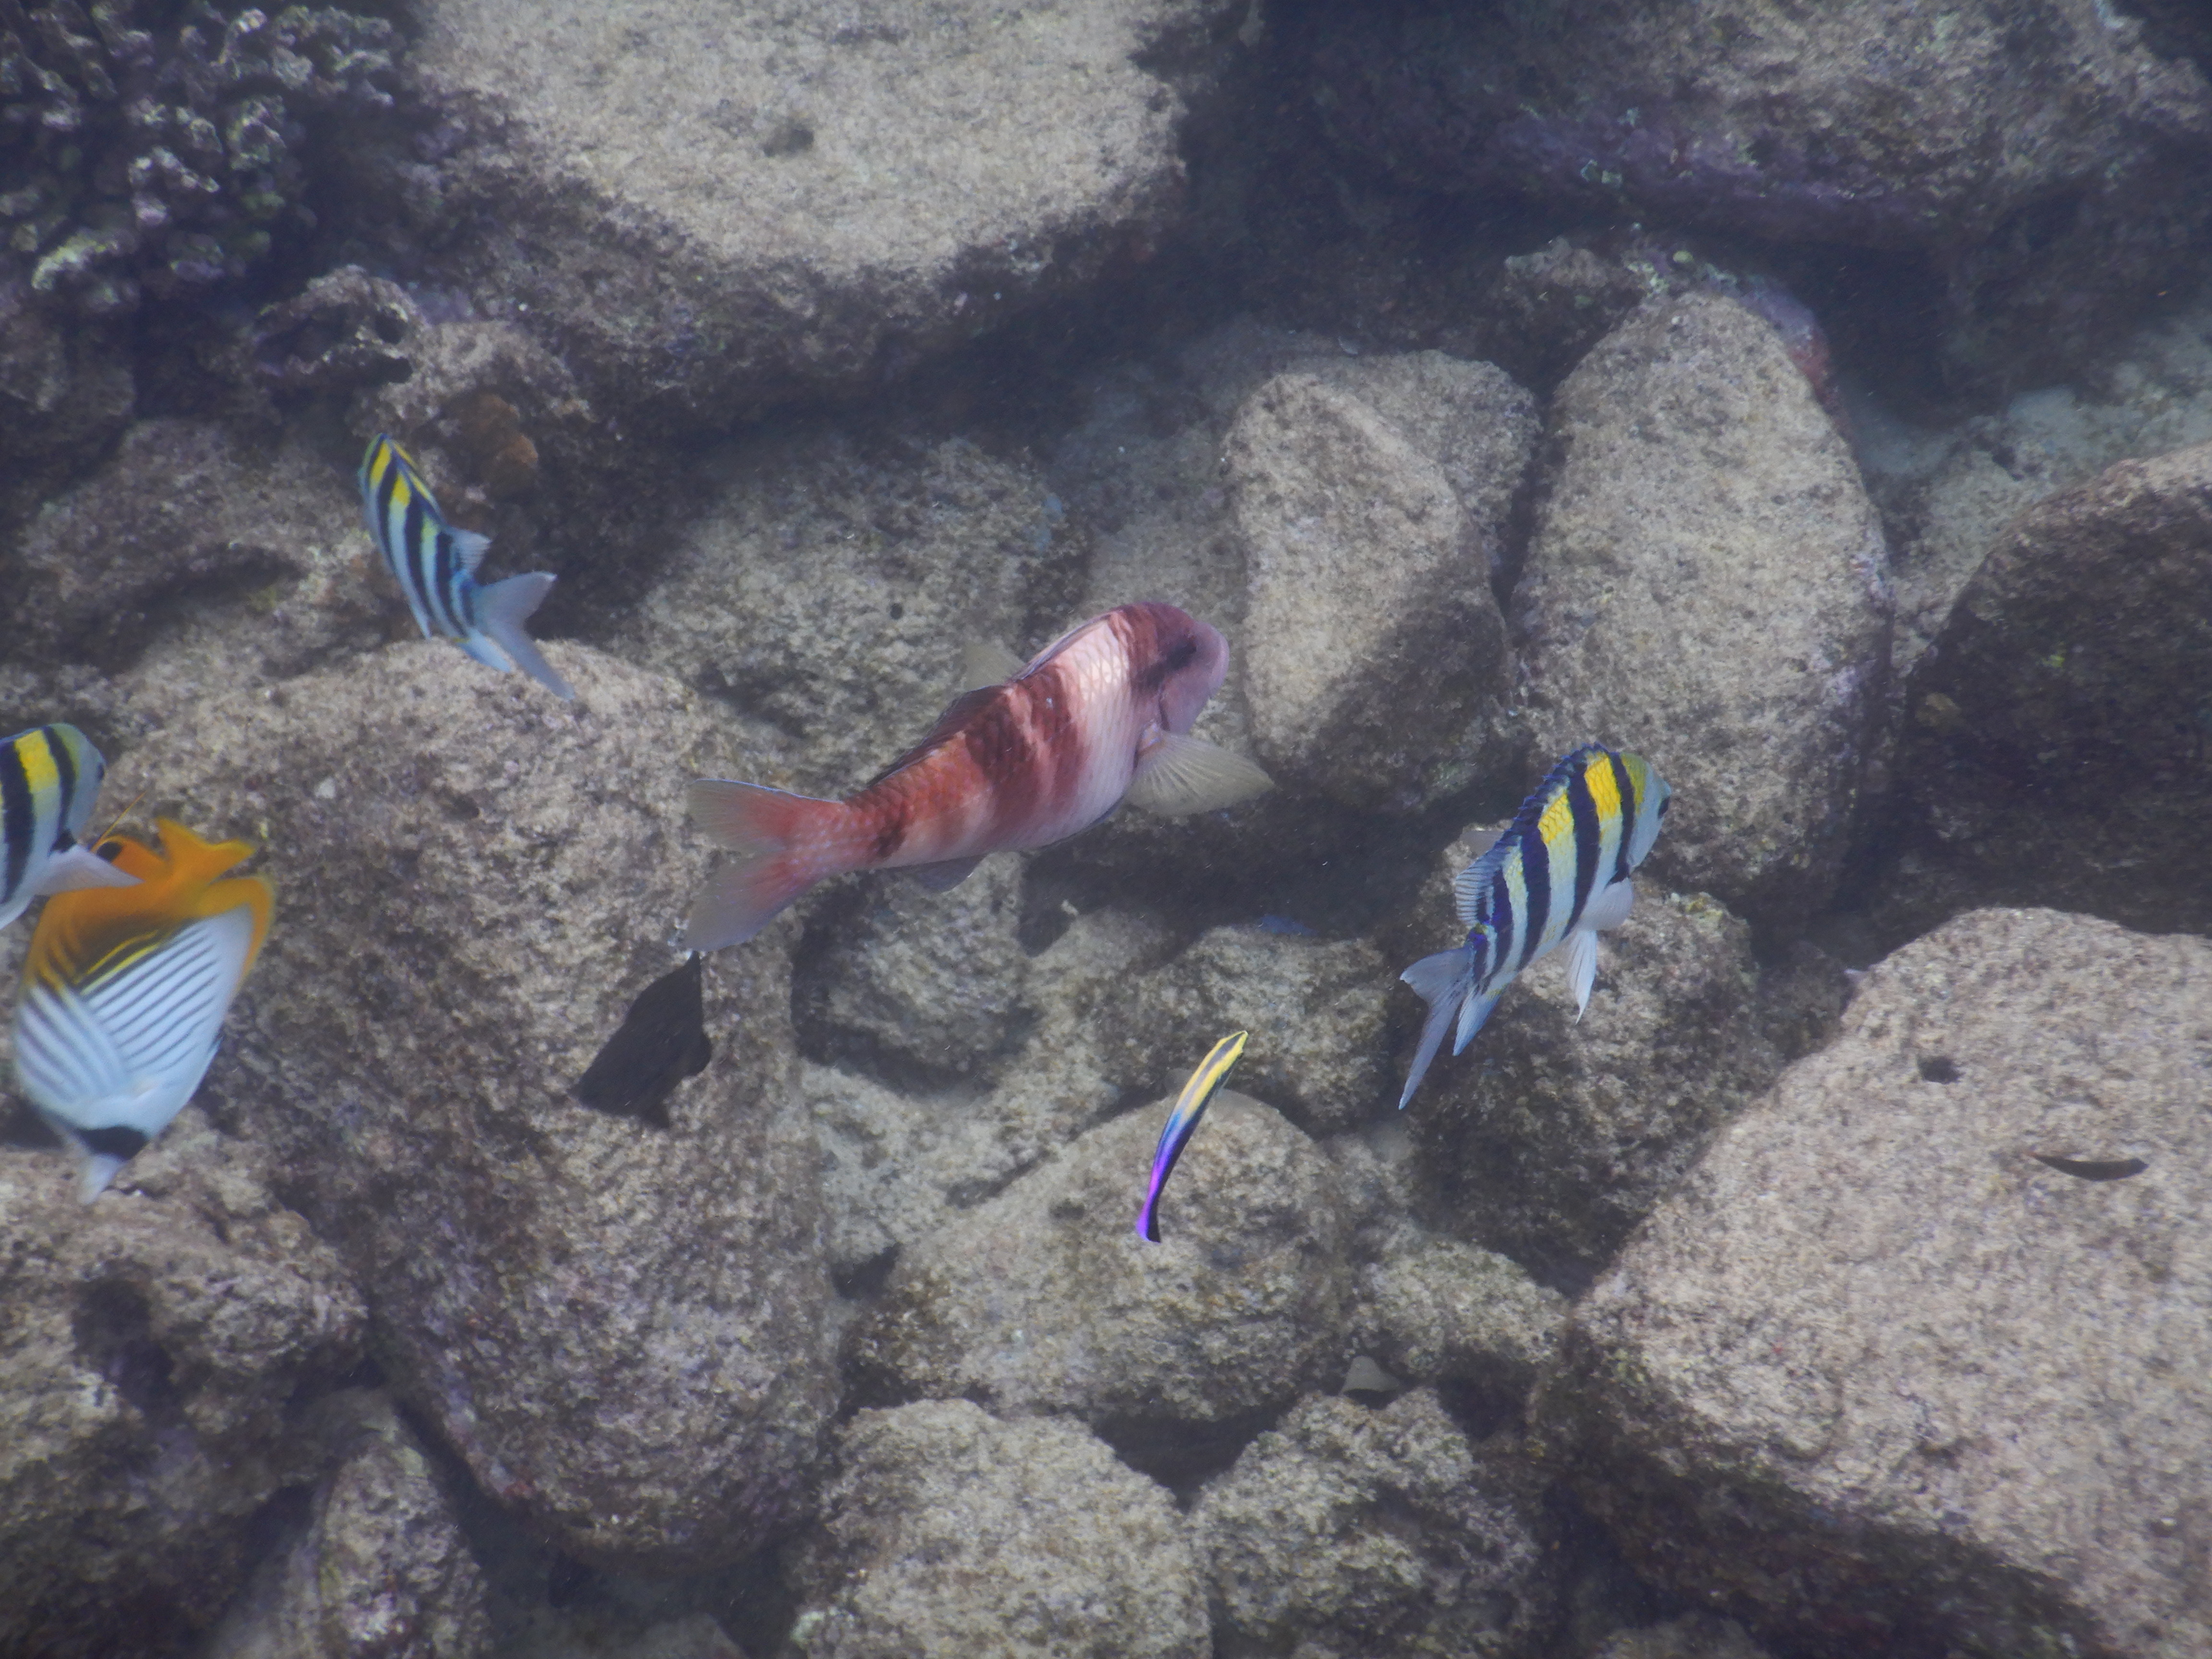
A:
{"x":187,"y":518}
{"x":160,"y":148}
{"x":927,"y":984}
{"x":1875,"y":1374}
{"x":2039,"y":157}
{"x":1444,"y":1311}
{"x":474,"y":880}
{"x":1346,"y":1531}
{"x":2057,"y":732}
{"x":897,"y":1164}
{"x":1044,"y":1299}
{"x":1319,"y":1013}
{"x":714,"y":208}
{"x":1375,"y":668}
{"x":379,"y":1571}
{"x":1551,"y":1138}
{"x":155,"y":1346}
{"x":944,"y":1531}
{"x":346,"y":329}
{"x":66,"y":391}
{"x":1705,"y":586}
{"x":828,"y":594}
{"x":1700,"y":1636}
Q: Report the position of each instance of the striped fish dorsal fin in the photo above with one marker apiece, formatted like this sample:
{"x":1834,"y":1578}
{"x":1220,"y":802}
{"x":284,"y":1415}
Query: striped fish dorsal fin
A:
{"x":958,"y":715}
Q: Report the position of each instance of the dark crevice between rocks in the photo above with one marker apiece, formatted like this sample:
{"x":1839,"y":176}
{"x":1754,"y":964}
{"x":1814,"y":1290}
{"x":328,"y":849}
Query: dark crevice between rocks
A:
{"x":112,"y":1329}
{"x":1183,"y":1456}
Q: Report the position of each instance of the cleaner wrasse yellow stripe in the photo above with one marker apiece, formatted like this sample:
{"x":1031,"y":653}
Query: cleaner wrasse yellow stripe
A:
{"x":1182,"y":1122}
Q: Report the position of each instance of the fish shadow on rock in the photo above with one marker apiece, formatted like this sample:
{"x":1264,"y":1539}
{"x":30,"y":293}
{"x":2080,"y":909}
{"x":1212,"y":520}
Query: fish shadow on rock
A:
{"x":661,"y":1040}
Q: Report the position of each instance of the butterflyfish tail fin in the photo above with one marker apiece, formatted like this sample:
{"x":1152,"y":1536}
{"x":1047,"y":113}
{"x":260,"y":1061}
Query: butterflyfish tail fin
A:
{"x":1180,"y":774}
{"x":756,"y":824}
{"x":501,"y":610}
{"x":1445,"y":979}
{"x":80,"y":867}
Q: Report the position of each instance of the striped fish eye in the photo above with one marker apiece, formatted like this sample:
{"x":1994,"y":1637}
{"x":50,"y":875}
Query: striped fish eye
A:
{"x":1665,"y":801}
{"x":111,"y":849}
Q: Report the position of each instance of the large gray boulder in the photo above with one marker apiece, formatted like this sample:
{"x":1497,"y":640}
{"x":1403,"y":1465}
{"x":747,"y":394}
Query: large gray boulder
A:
{"x":473,"y":881}
{"x":1375,"y":668}
{"x":1705,"y":585}
{"x":1044,"y":1299}
{"x":1344,"y":1532}
{"x":943,"y":1532}
{"x":379,"y":1570}
{"x":1876,"y":1376}
{"x":708,"y":207}
{"x":2056,"y":730}
{"x":154,"y":1353}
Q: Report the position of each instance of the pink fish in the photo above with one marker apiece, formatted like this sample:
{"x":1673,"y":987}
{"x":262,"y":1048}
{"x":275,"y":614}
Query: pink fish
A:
{"x":1100,"y":716}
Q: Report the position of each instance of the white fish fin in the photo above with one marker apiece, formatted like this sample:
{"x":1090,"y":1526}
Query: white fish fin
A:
{"x":96,"y":1170}
{"x":80,"y":867}
{"x":943,"y":877}
{"x":987,"y":662}
{"x":1609,"y":908}
{"x":470,"y":545}
{"x":1444,"y":981}
{"x":501,"y":610}
{"x":1582,"y":966}
{"x":1181,"y":774}
{"x":1470,"y":883}
{"x":1471,"y":1013}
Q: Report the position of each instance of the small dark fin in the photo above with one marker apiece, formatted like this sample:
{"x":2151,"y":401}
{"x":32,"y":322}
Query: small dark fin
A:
{"x":2094,"y":1168}
{"x":661,"y":1040}
{"x":943,"y":877}
{"x":121,"y":1141}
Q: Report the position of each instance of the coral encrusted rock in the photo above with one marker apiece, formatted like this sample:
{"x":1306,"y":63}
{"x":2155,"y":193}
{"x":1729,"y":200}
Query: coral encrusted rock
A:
{"x":1880,"y":1379}
{"x":473,"y":880}
{"x":153,"y":1348}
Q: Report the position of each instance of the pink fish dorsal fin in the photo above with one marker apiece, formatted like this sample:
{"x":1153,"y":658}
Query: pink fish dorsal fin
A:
{"x":958,"y":715}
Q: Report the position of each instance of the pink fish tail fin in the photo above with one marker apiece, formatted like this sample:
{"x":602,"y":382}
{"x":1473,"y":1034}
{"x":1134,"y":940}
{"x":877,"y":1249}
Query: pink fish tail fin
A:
{"x":760,"y":827}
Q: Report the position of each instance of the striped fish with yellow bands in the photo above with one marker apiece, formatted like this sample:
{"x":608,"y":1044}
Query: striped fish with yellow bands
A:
{"x":50,"y":776}
{"x":1560,"y":874}
{"x":125,"y":989}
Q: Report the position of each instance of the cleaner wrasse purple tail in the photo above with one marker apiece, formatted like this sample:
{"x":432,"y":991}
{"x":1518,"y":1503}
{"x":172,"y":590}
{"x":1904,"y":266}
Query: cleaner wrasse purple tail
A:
{"x":125,"y":990}
{"x":1100,"y":716}
{"x":1182,"y":1123}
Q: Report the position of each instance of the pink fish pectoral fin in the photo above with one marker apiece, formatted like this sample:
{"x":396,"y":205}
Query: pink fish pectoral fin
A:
{"x":80,"y":867}
{"x":1179,"y":774}
{"x":987,"y":662}
{"x":944,"y":877}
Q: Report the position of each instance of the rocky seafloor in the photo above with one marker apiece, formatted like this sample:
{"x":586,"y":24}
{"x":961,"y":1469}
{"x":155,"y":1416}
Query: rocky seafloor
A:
{"x":1817,"y":400}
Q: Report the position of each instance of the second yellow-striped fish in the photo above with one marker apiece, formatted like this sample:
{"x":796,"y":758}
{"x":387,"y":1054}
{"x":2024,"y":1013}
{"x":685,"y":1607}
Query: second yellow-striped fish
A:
{"x":1557,"y":875}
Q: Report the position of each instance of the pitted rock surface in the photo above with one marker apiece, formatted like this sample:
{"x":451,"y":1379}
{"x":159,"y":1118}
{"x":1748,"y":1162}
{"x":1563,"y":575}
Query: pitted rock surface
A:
{"x":473,"y":881}
{"x":1877,"y":1375}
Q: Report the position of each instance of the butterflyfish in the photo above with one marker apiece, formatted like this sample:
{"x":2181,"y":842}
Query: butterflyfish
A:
{"x":661,"y":1040}
{"x":435,"y":565}
{"x":50,"y":777}
{"x":125,"y":988}
{"x":1101,"y":715}
{"x":1560,"y":874}
{"x":1182,"y":1123}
